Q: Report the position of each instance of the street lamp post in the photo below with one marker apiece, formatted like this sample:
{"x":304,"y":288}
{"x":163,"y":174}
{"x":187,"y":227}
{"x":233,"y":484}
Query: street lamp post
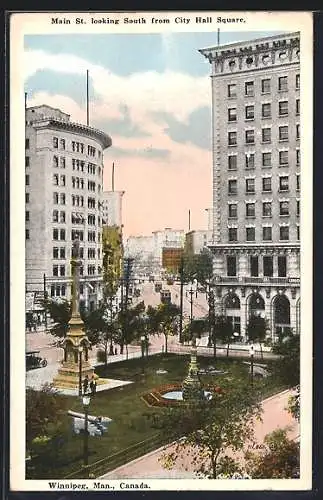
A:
{"x":86,"y":402}
{"x":80,"y":351}
{"x":143,"y":339}
{"x":251,"y":353}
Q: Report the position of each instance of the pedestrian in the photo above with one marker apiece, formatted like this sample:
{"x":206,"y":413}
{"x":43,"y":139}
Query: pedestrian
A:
{"x":93,"y":385}
{"x":115,"y":351}
{"x":85,"y":384}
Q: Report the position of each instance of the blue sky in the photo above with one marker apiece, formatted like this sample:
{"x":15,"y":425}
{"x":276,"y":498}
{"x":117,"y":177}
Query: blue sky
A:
{"x":151,"y":93}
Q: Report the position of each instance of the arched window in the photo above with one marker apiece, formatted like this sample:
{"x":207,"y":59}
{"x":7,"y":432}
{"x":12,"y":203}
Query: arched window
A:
{"x":232,"y":301}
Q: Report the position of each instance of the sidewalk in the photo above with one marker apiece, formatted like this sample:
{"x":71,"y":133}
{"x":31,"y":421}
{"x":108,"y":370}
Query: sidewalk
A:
{"x":274,"y":417}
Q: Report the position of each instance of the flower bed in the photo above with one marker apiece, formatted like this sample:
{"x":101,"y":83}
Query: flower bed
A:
{"x":155,"y":396}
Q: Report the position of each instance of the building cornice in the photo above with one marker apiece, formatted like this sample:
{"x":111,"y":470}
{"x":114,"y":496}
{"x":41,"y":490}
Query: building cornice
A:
{"x":103,"y":138}
{"x":254,"y":54}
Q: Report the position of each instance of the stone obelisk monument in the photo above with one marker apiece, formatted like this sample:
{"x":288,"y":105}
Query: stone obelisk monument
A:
{"x":76,"y":345}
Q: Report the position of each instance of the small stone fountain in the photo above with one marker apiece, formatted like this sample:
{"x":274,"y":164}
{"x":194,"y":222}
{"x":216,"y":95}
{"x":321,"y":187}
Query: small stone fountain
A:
{"x":192,"y":389}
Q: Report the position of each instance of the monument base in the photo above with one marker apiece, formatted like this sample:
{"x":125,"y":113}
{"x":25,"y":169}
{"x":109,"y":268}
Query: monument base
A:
{"x":68,"y":376}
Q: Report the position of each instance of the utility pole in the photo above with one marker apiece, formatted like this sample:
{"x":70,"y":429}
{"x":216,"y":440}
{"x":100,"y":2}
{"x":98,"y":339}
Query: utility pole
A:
{"x":211,"y":321}
{"x":181,"y":274}
{"x":45,"y":300}
{"x":87,"y":99}
{"x":125,"y":299}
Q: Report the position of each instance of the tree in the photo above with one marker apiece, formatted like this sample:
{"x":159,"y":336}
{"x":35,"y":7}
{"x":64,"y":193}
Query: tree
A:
{"x":288,"y":364}
{"x":278,"y":458}
{"x":162,"y":319}
{"x":131,"y":324}
{"x":256,"y":330}
{"x":102,"y":327}
{"x":198,"y":266}
{"x":60,"y":313}
{"x":44,"y":409}
{"x":222,"y":330}
{"x":209,"y":430}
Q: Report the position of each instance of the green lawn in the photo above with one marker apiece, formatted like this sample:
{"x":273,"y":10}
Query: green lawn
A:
{"x":128,"y":411}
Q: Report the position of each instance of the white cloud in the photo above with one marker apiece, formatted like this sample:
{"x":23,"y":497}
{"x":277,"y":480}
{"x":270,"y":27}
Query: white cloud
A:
{"x":172,"y":92}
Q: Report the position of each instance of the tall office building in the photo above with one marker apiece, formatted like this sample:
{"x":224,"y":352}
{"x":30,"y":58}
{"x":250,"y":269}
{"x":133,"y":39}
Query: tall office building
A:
{"x":112,"y":208}
{"x":64,"y":178}
{"x":256,"y":180}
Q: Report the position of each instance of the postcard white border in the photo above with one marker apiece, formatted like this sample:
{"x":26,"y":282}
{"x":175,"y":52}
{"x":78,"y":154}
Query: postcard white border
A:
{"x":40,"y":23}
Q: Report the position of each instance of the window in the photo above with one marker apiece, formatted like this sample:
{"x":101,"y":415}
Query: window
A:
{"x":62,"y":270}
{"x":250,"y":210}
{"x":55,"y":180}
{"x":55,"y":161}
{"x":250,"y":136}
{"x":232,"y":138}
{"x":282,"y":267}
{"x":55,"y":253}
{"x":27,"y":198}
{"x":298,"y":182}
{"x":232,"y":92}
{"x":63,"y":180}
{"x":298,"y":157}
{"x":298,"y":132}
{"x":266,"y":135}
{"x":233,"y":211}
{"x":250,"y":234}
{"x":266,"y":110}
{"x":62,"y":143}
{"x":27,"y":234}
{"x":284,"y":233}
{"x":297,"y":81}
{"x":283,"y":133}
{"x":232,"y":186}
{"x":298,"y":232}
{"x":55,"y":215}
{"x":254,"y":265}
{"x":62,"y":198}
{"x":283,"y":158}
{"x":27,"y":216}
{"x":266,"y":159}
{"x":266,"y":209}
{"x":27,"y":180}
{"x":62,"y":162}
{"x":250,"y":185}
{"x":62,"y":234}
{"x":250,"y":112}
{"x":297,"y":106}
{"x":297,"y":208}
{"x":62,"y":253}
{"x":90,"y":151}
{"x":283,"y":183}
{"x":284,"y":208}
{"x":55,"y":270}
{"x":283,"y":108}
{"x":283,"y":83}
{"x":232,"y":162}
{"x":266,"y":184}
{"x":250,"y":160}
{"x":265,"y":86}
{"x":233,"y":234}
{"x":62,"y":217}
{"x":231,"y":265}
{"x":268,"y":265}
{"x":27,"y":164}
{"x":55,"y":234}
{"x":27,"y":144}
{"x":232,"y":114}
{"x":249,"y":89}
{"x":55,"y":142}
{"x":267,"y":233}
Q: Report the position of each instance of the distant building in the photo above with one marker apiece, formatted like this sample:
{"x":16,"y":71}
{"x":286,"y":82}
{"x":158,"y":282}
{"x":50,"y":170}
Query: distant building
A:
{"x":256,"y":180}
{"x":112,"y":208}
{"x":171,"y":259}
{"x":112,"y":249}
{"x":63,"y":192}
{"x":195,"y":241}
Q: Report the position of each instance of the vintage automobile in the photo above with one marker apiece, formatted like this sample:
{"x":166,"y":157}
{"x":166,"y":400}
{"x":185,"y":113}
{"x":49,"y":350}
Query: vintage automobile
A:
{"x":33,"y":360}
